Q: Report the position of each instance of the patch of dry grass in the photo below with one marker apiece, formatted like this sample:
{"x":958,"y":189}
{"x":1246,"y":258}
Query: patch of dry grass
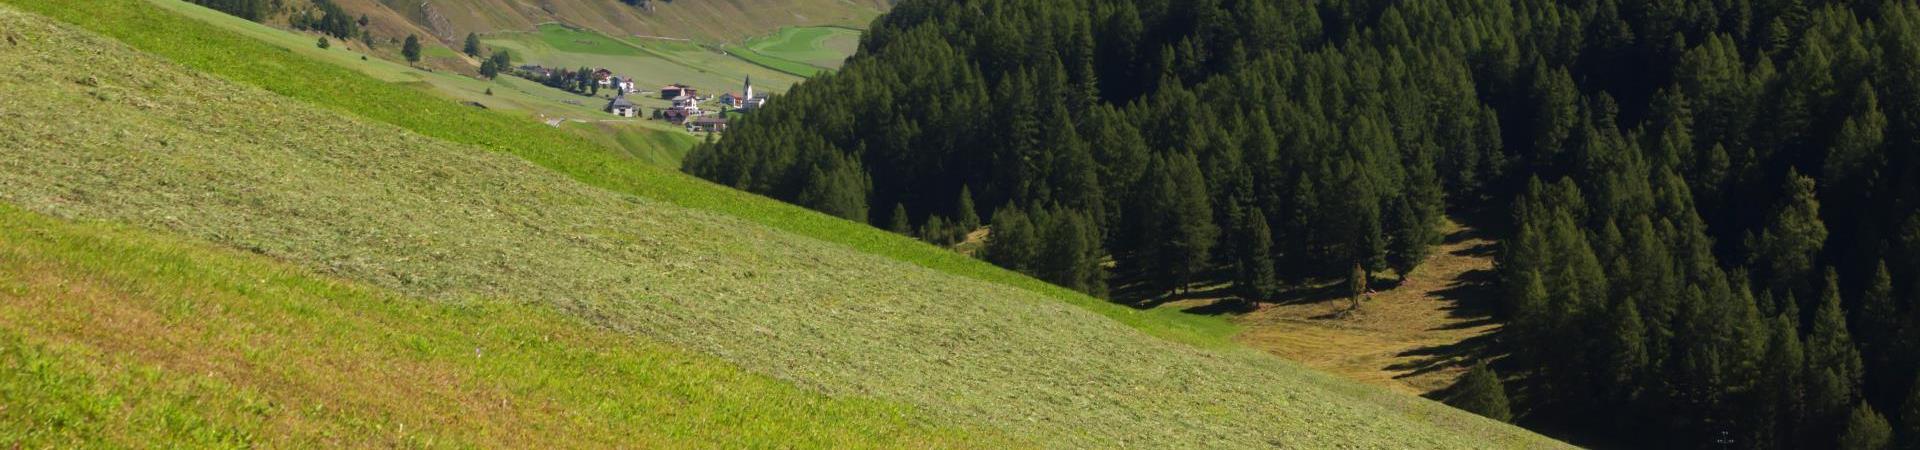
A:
{"x":1414,"y":337}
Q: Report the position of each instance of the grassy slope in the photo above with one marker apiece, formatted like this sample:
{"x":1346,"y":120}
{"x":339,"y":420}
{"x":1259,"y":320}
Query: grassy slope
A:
{"x":707,"y":21}
{"x":824,"y":47}
{"x":117,"y":337}
{"x":651,"y":61}
{"x":148,"y":144}
{"x":663,"y":145}
{"x":217,"y":51}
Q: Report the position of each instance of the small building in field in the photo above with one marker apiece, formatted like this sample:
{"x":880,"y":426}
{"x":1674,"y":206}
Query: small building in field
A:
{"x":677,"y":116}
{"x":707,"y":124}
{"x":675,"y":90}
{"x":686,"y":101}
{"x":622,"y":107}
{"x":603,"y":77}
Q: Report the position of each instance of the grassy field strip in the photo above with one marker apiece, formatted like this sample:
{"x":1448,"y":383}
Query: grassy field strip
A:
{"x":653,"y":62}
{"x":117,"y":337}
{"x":235,"y":57}
{"x":792,"y":67}
{"x":825,"y":47}
{"x":143,"y":141}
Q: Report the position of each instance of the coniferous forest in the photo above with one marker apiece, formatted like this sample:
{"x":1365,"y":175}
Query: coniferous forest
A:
{"x":1714,"y":205}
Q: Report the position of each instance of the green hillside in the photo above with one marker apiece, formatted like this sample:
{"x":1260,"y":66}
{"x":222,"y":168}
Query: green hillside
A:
{"x":118,"y":337}
{"x":351,"y":177}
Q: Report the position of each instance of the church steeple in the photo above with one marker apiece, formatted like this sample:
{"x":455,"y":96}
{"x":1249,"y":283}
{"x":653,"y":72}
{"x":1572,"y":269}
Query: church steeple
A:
{"x":749,"y":88}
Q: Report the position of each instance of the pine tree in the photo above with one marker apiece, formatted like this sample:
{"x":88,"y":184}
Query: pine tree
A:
{"x":1909,"y":436}
{"x":1254,"y":265}
{"x":1012,"y":241}
{"x":899,"y":223}
{"x":1481,"y":392}
{"x":1357,"y":281}
{"x":473,"y":45}
{"x":322,"y":43}
{"x":1866,"y":430}
{"x":1783,"y":369}
{"x":1786,"y":249}
{"x":1069,"y":256}
{"x":968,"y":219}
{"x":935,"y":231}
{"x":1833,"y":364}
{"x":411,"y":49}
{"x":839,"y":187}
{"x":1411,"y":237}
{"x":1877,"y":324}
{"x":1626,"y":353}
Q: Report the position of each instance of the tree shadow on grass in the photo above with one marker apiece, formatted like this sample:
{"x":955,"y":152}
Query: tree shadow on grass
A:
{"x":1438,"y":357}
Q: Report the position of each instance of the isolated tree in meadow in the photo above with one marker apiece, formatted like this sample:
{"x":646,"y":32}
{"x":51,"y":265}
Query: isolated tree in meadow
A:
{"x":473,"y":45}
{"x":488,"y":70}
{"x":1481,"y":392}
{"x":322,"y":43}
{"x":1866,"y":430}
{"x":411,"y":49}
{"x":1357,"y":285}
{"x":501,"y":60}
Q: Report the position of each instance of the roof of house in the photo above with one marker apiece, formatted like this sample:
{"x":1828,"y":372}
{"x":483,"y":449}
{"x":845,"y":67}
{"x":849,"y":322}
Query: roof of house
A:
{"x":705,"y":120}
{"x":619,"y":101}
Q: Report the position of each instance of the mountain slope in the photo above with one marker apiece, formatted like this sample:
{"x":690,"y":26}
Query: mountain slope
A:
{"x":141,"y":140}
{"x":118,"y":337}
{"x":238,"y":57}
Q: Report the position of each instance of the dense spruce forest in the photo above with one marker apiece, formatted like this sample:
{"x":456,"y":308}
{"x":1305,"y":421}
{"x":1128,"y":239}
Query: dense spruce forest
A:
{"x":1713,"y":238}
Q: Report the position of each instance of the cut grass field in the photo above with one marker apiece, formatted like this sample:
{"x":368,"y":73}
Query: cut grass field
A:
{"x":236,"y":57}
{"x":337,"y":189}
{"x":824,"y":47}
{"x":115,"y":337}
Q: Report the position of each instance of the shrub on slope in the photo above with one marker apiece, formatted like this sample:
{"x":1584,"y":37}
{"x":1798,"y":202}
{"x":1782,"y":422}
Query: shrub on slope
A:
{"x":134,"y":138}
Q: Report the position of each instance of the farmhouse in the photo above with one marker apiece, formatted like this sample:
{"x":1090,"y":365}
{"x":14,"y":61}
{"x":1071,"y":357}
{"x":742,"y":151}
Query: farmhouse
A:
{"x":708,"y":124}
{"x":620,"y":106}
{"x":603,"y":76}
{"x":672,"y":91}
{"x":686,"y":101}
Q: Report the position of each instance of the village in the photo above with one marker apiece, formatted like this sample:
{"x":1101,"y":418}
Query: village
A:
{"x":685,"y":105}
